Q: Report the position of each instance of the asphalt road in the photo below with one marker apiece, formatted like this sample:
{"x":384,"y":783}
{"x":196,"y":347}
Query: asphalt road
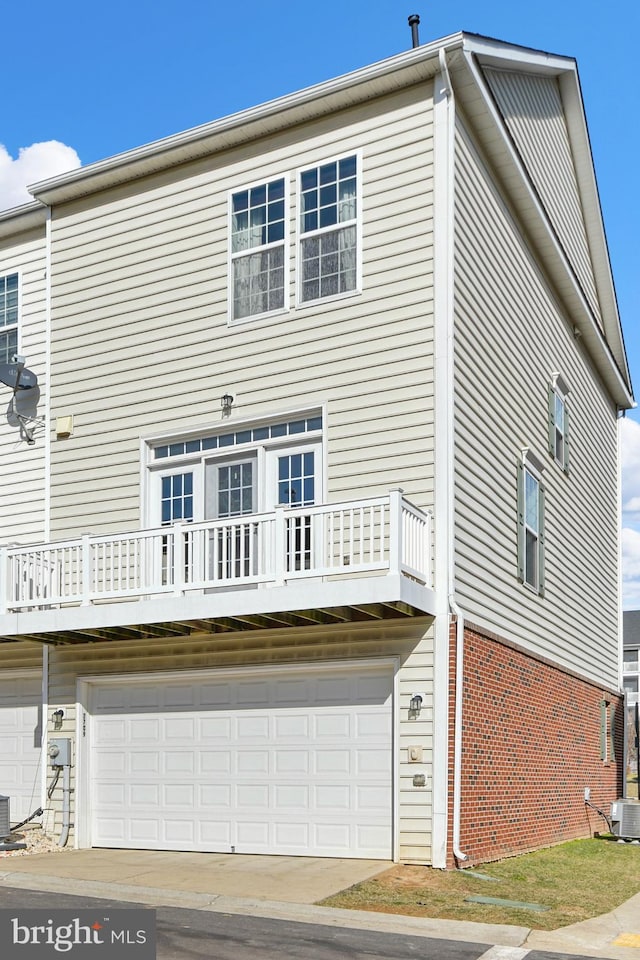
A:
{"x":193,"y":934}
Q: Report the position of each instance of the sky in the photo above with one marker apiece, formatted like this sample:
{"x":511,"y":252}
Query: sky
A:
{"x":85,"y":81}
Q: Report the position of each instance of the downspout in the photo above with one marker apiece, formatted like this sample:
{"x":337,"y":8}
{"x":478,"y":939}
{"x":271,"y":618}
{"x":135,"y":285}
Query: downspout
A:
{"x":457,"y":731}
{"x":47,"y":361}
{"x":449,"y":216}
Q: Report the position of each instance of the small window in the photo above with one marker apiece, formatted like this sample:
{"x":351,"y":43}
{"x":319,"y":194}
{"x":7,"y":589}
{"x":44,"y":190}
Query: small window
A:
{"x":329,"y":229}
{"x":258,"y":228}
{"x":559,"y":422}
{"x":8,"y":317}
{"x":530,"y":522}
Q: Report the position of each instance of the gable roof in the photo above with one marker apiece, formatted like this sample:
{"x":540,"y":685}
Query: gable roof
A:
{"x":543,"y":160}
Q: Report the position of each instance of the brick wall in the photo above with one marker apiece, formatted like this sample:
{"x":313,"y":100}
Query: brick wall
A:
{"x":531,"y":744}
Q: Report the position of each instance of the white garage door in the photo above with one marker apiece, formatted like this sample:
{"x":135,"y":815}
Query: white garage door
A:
{"x":20,"y":739}
{"x":291,"y":763}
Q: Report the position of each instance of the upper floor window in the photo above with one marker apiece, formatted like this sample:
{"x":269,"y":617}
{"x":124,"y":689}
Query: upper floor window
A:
{"x":559,"y":422}
{"x":329,"y":229}
{"x":530,"y":522}
{"x":8,"y":317}
{"x":258,"y":249}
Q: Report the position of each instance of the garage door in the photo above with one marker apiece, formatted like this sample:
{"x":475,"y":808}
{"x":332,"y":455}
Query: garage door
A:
{"x":291,"y":763}
{"x":20,"y":738}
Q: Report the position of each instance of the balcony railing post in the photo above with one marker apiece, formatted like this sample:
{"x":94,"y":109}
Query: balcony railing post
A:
{"x":4,"y":579}
{"x":280,"y":546}
{"x":85,"y":553}
{"x":395,"y":530}
{"x":177,"y":534}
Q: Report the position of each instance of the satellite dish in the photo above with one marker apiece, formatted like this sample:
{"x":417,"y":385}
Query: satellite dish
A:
{"x":15,"y":375}
{"x":23,"y":406}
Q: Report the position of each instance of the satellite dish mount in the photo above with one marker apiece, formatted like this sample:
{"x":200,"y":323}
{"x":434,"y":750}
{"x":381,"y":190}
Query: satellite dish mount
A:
{"x":23,"y":406}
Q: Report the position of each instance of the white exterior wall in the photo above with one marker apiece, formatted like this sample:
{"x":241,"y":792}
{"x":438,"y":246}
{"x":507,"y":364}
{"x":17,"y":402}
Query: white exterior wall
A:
{"x":22,"y":467}
{"x":410,"y":642}
{"x":141,"y":335}
{"x":533,"y":112}
{"x":511,"y":336}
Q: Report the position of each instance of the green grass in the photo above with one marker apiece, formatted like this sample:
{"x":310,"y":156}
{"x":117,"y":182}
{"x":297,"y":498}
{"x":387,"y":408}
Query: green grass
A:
{"x":576,"y":880}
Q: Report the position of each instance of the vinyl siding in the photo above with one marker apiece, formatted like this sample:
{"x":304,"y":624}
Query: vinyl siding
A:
{"x":532,"y":110}
{"x":142,"y":342}
{"x":411,"y":643}
{"x":510,"y":338}
{"x":22,"y":467}
{"x":20,"y":655}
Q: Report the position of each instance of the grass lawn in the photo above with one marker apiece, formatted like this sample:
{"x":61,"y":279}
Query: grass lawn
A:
{"x":575,"y":880}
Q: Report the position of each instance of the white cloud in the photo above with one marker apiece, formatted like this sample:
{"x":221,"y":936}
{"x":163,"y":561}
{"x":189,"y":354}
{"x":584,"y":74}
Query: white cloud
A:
{"x":37,"y":162}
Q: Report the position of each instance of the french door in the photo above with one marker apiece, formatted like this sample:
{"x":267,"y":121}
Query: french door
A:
{"x":236,"y":491}
{"x":230,"y":492}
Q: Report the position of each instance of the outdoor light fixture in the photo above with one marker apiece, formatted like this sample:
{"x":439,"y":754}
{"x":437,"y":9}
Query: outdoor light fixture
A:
{"x":415,"y":704}
{"x":226,"y":403}
{"x":57,"y":716}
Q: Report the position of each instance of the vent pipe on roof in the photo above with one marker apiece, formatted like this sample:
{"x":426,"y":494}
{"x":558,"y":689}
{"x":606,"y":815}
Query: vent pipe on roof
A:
{"x":414,"y":20}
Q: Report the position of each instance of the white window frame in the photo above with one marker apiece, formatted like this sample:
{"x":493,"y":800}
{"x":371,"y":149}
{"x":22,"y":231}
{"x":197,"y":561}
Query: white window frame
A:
{"x":5,"y":329}
{"x":559,"y":432}
{"x":233,"y":257}
{"x":321,"y":231}
{"x":531,"y":466}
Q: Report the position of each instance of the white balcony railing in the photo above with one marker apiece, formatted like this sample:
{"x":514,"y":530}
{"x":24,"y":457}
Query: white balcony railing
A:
{"x":386,"y":534}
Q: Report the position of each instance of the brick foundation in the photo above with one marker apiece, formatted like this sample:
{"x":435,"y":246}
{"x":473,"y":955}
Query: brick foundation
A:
{"x":531,"y":744}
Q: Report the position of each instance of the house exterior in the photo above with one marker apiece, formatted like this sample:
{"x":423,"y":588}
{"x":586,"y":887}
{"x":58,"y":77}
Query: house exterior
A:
{"x":630,"y":682}
{"x":325,"y":554}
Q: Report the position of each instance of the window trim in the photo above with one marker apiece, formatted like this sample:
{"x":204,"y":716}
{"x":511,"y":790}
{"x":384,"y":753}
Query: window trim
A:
{"x":4,"y":274}
{"x":286,"y":246}
{"x":530,"y":464}
{"x":300,"y":236}
{"x":558,"y":389}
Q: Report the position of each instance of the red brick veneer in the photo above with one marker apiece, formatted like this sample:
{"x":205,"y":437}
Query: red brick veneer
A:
{"x":530,"y":745}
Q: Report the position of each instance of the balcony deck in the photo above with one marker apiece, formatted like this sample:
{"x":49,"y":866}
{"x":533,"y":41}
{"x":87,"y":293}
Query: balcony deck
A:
{"x":330,"y":563}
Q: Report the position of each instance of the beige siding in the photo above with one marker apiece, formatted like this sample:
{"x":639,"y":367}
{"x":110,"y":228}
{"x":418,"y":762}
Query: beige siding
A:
{"x":20,"y":655}
{"x":411,"y":643}
{"x":510,"y":339}
{"x":142,"y":341}
{"x":533,"y":112}
{"x":22,"y":478}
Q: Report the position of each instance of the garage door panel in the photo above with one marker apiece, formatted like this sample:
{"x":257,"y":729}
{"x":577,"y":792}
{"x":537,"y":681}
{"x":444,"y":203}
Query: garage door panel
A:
{"x":267,"y":765}
{"x":20,"y":742}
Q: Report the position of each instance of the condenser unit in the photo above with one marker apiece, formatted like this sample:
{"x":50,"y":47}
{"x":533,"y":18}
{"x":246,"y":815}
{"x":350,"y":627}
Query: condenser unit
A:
{"x":625,"y":819}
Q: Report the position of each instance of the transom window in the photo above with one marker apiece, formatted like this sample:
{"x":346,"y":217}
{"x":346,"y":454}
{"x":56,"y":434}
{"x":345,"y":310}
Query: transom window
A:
{"x":328,"y":228}
{"x":8,"y":317}
{"x":258,"y":249}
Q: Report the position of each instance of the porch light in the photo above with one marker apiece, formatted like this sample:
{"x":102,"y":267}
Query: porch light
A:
{"x":415,"y":704}
{"x":226,"y":402}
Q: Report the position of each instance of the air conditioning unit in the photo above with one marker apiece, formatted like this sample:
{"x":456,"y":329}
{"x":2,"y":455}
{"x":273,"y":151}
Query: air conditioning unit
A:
{"x":625,"y":819}
{"x":5,"y":824}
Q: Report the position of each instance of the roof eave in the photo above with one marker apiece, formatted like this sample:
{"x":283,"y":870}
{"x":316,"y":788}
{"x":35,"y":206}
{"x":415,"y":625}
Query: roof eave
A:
{"x":403,"y":69}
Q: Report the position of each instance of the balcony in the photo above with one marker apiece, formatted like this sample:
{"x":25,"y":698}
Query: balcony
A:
{"x":331,"y":563}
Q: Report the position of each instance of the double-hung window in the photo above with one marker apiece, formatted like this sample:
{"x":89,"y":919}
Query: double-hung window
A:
{"x":559,"y":422}
{"x":530,"y":522}
{"x":258,"y":231}
{"x":8,"y":317}
{"x":328,"y":225}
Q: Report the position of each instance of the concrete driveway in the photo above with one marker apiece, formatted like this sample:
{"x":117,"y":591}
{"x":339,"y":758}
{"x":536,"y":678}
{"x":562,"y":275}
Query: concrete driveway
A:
{"x":287,"y":879}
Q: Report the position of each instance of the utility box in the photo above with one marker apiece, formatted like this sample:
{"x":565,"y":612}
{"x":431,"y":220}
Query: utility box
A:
{"x":60,"y":752}
{"x":5,"y":823}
